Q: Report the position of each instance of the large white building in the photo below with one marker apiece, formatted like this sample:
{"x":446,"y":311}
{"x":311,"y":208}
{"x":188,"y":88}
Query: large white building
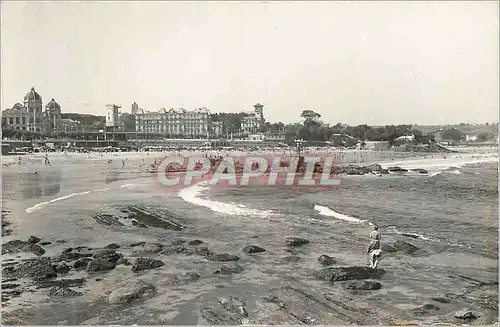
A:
{"x":174,"y":122}
{"x":253,"y":122}
{"x":112,"y":116}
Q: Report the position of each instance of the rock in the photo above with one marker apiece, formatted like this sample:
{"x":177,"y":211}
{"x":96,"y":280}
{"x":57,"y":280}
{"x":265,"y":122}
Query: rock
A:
{"x":296,"y":241}
{"x":465,"y":314}
{"x":425,"y":309}
{"x":195,"y":242}
{"x":97,"y":265}
{"x":229,"y":270}
{"x":81,"y":263}
{"x":61,"y":268}
{"x":253,"y":249}
{"x":384,"y":172}
{"x":45,"y":243}
{"x":374,"y":167}
{"x":112,"y":246}
{"x":348,"y":273}
{"x":221,"y":257}
{"x":147,"y":248}
{"x":137,"y":244}
{"x":171,"y":249}
{"x":63,"y":291}
{"x":61,"y":241}
{"x":188,"y":277}
{"x":291,"y":258}
{"x":127,"y":293}
{"x":227,"y":311}
{"x":70,"y":254}
{"x":308,"y":309}
{"x":38,"y":270}
{"x":16,"y":246}
{"x":178,"y":242}
{"x":363,"y":285}
{"x":419,"y":170}
{"x":145,"y":264}
{"x":7,"y":286}
{"x":404,"y":247}
{"x":107,"y":254}
{"x":203,"y":251}
{"x":123,"y":261}
{"x":33,"y":239}
{"x":77,"y":282}
{"x":440,"y":300}
{"x":326,"y":260}
{"x":396,"y":169}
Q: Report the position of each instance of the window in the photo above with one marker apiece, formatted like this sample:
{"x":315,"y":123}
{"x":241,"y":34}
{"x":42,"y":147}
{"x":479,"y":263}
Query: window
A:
{"x":18,"y":121}
{"x":11,"y":120}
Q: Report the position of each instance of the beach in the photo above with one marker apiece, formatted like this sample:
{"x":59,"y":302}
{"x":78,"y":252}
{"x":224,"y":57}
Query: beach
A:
{"x":439,"y":235}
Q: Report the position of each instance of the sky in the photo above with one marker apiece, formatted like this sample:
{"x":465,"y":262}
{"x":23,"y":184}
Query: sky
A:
{"x":370,"y":63}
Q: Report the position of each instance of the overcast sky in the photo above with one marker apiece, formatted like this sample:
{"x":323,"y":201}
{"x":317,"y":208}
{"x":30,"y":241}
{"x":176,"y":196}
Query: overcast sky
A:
{"x":364,"y":62}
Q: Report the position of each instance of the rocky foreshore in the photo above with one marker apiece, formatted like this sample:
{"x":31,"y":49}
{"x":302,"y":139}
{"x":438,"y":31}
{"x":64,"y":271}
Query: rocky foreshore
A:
{"x":64,"y":276}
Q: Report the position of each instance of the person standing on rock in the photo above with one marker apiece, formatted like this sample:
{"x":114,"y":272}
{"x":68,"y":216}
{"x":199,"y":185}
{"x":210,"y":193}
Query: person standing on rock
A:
{"x":374,"y":247}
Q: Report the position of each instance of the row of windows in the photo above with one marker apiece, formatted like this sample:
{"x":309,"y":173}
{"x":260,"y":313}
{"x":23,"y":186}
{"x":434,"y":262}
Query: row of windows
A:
{"x":18,"y":120}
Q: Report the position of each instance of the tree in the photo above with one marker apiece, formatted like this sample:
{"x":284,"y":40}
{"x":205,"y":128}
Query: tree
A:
{"x":452,"y":134}
{"x":309,"y":115}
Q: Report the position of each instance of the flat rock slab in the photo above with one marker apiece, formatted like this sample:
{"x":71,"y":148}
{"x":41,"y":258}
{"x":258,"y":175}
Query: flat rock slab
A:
{"x":348,"y":273}
{"x":146,"y":264}
{"x":38,"y":270}
{"x":307,"y":308}
{"x":365,"y":285}
{"x":131,"y":291}
{"x":97,"y":265}
{"x":227,"y":311}
{"x":221,"y":257}
{"x":16,"y":246}
{"x":253,"y":249}
{"x":326,"y":260}
{"x":63,"y":291}
{"x":296,"y":241}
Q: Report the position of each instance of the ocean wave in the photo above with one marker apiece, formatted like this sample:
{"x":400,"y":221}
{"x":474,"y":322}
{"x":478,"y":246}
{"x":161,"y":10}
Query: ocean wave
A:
{"x":40,"y":205}
{"x":394,"y":230}
{"x":325,"y":211}
{"x":191,"y":194}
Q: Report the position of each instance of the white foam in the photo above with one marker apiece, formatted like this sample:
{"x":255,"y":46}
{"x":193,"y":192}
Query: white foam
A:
{"x":127,"y":185}
{"x":191,"y":195}
{"x":393,"y":229}
{"x":325,"y":211}
{"x":40,"y":205}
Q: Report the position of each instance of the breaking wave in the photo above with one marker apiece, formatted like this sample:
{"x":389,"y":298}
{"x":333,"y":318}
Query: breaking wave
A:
{"x":192,"y":194}
{"x":325,"y":211}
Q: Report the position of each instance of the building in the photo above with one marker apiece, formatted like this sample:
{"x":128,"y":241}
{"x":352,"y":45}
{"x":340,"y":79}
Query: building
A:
{"x":253,"y":122}
{"x":112,"y":116}
{"x":16,"y":117}
{"x":470,"y":138}
{"x":52,"y":116}
{"x":216,"y":129}
{"x":33,"y":105}
{"x":174,"y":122}
{"x":135,"y":108}
{"x":69,"y":125}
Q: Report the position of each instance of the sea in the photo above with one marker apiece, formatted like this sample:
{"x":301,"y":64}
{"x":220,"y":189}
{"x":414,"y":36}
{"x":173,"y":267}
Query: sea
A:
{"x":450,"y":214}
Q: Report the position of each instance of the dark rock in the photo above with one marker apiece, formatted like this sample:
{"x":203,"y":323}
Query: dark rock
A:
{"x":62,"y":268}
{"x":7,"y":286}
{"x":33,"y":239}
{"x":123,"y":261}
{"x":374,"y":167}
{"x":440,"y":300}
{"x":76,"y":282}
{"x":45,"y":243}
{"x":172,"y":249}
{"x":396,"y":169}
{"x":295,"y":241}
{"x":253,"y":249}
{"x":97,"y":265}
{"x":106,"y":219}
{"x":67,"y":250}
{"x":61,"y":241}
{"x":81,"y":263}
{"x":107,"y":254}
{"x":425,"y":309}
{"x":195,"y":242}
{"x":203,"y":251}
{"x":419,"y":170}
{"x":229,"y":270}
{"x":404,"y":247}
{"x":410,"y":235}
{"x":127,"y":293}
{"x":326,"y":260}
{"x":348,"y":273}
{"x":465,"y":314}
{"x":38,"y":270}
{"x":138,"y":224}
{"x":112,"y":246}
{"x":308,"y":309}
{"x":137,"y":244}
{"x":363,"y":285}
{"x":71,"y":254}
{"x":221,"y":257}
{"x":291,"y":258}
{"x":384,"y":171}
{"x":151,"y":219}
{"x":178,"y":242}
{"x":16,"y":246}
{"x":63,"y":291}
{"x":145,"y":264}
